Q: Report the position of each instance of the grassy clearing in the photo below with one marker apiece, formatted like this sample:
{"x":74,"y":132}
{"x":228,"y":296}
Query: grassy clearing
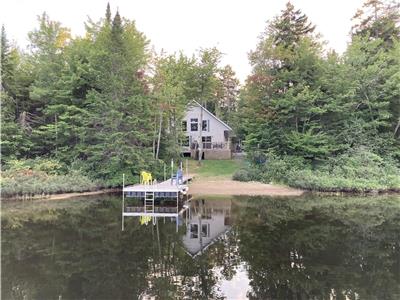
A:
{"x":221,"y":169}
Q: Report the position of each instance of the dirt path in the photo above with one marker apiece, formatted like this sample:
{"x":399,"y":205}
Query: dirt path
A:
{"x":229,"y":187}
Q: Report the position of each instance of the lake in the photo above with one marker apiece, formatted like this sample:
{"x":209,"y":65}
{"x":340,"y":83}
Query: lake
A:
{"x":308,"y":247}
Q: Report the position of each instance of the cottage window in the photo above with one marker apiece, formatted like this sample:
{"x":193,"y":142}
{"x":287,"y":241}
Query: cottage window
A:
{"x":205,"y":230}
{"x":194,"y":231}
{"x":206,"y":125}
{"x":186,"y":141}
{"x":184,"y":126}
{"x":206,"y":142}
{"x":194,"y":124}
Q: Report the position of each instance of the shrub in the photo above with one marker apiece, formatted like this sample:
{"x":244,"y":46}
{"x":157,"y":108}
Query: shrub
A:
{"x":358,"y":170}
{"x":46,"y":165}
{"x":23,"y":180}
{"x":241,"y":175}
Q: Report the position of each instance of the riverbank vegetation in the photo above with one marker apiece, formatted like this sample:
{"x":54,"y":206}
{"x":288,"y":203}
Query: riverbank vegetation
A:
{"x":354,"y":171}
{"x":42,"y":177}
{"x":318,"y":120}
{"x":105,"y":104}
{"x":101,"y":105}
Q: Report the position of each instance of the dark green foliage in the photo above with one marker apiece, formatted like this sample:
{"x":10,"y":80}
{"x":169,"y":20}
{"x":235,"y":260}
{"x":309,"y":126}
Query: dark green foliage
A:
{"x":242,"y":175}
{"x":290,"y":27}
{"x":303,"y":103}
{"x":86,"y":101}
{"x":37,"y":177}
{"x":90,"y":101}
{"x":355,"y":171}
{"x":378,"y":20}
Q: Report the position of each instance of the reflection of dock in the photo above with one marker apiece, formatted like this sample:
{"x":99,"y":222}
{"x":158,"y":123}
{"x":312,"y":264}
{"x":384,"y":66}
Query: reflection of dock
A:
{"x":163,"y":199}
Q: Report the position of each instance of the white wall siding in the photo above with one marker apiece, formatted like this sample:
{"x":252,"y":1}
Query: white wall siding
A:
{"x":216,"y":128}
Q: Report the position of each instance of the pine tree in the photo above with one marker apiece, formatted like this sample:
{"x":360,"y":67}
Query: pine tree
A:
{"x":290,"y":26}
{"x":116,"y":32}
{"x":108,"y":14}
{"x":118,"y":129}
{"x":378,"y":19}
{"x":7,"y":64}
{"x":14,"y":139}
{"x":227,"y":94}
{"x":284,"y":104}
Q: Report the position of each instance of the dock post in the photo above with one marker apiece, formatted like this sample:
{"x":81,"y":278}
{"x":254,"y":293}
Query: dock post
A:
{"x":187,"y":169}
{"x":177,"y":202}
{"x":123,"y":201}
{"x":172,"y":170}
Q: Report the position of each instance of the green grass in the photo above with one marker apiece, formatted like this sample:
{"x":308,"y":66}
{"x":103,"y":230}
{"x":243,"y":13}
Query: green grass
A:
{"x":223,"y":169}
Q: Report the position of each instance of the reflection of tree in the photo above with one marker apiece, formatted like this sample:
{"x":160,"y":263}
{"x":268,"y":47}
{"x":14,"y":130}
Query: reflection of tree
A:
{"x":83,"y":254}
{"x":90,"y":257}
{"x":293,"y":249}
{"x":225,"y":255}
{"x":305,"y":250}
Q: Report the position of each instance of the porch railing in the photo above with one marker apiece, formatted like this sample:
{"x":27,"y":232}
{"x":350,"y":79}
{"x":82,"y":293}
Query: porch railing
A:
{"x":210,"y":146}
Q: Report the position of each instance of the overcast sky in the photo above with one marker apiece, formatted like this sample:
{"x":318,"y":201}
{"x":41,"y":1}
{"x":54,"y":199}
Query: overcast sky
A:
{"x":232,"y":26}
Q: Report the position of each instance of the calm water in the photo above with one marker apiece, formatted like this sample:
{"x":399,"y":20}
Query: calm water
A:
{"x":235,"y":248}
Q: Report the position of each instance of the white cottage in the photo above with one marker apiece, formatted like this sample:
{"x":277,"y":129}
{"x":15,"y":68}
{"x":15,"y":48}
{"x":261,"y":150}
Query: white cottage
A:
{"x":215,"y":135}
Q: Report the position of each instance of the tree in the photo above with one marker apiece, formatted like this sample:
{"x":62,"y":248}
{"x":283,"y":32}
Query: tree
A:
{"x":14,"y":130}
{"x":227,"y":94}
{"x":172,"y":92}
{"x":282,"y":104}
{"x":378,"y":19}
{"x":373,"y":60}
{"x":290,"y":26}
{"x":118,"y":135}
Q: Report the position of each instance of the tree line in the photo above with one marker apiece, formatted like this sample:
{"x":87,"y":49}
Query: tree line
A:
{"x":301,"y":99}
{"x":103,"y":103}
{"x":106,"y":103}
{"x":305,"y":107}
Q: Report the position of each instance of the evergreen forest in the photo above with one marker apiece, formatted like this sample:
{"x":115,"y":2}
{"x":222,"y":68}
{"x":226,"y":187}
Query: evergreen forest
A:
{"x":77,"y":112}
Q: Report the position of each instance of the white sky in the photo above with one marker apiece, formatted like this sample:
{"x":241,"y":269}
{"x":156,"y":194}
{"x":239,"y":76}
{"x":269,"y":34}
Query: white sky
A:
{"x":232,"y":26}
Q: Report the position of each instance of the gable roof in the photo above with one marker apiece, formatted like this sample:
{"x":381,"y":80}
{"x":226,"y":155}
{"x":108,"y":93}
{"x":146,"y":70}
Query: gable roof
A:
{"x":203,"y":248}
{"x":215,"y":117}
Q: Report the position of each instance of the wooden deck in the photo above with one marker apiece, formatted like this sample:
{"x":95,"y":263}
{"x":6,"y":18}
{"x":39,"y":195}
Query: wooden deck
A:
{"x":164,"y":186}
{"x":149,"y":192}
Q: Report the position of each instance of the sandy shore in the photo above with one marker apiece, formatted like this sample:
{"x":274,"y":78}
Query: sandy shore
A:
{"x":230,"y":187}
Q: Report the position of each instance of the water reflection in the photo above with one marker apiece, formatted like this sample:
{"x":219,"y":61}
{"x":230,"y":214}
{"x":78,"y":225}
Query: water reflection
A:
{"x":256,"y":248}
{"x":205,"y":222}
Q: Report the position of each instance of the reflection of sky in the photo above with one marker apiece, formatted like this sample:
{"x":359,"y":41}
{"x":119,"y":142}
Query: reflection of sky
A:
{"x":238,"y":286}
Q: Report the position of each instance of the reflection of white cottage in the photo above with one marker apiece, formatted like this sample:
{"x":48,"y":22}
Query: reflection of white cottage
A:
{"x":205,"y":222}
{"x":215,"y":135}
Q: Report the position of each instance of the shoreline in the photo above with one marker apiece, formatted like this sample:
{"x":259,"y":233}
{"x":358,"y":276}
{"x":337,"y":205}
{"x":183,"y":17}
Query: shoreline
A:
{"x":218,"y":187}
{"x":64,"y":195}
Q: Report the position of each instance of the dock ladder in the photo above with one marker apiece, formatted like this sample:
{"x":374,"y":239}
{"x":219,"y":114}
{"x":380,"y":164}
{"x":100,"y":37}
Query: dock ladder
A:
{"x":149,"y":202}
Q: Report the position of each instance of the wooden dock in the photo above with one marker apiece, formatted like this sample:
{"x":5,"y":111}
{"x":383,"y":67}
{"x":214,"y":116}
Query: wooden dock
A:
{"x":164,"y":186}
{"x":169,"y":189}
